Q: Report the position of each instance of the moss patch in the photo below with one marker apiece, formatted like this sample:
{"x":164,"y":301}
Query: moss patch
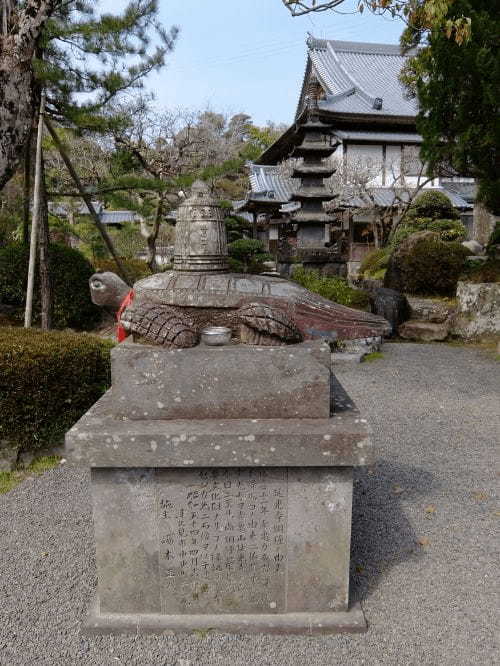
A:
{"x":374,"y":356}
{"x":9,"y":480}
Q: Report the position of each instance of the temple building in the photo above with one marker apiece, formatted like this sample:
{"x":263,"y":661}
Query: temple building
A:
{"x":352,"y":151}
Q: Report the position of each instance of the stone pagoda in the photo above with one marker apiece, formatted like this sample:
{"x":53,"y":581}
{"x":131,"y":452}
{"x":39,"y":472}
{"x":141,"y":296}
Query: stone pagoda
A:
{"x":314,"y":143}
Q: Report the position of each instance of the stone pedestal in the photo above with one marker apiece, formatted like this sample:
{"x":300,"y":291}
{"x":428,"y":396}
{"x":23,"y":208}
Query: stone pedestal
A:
{"x":235,"y":524}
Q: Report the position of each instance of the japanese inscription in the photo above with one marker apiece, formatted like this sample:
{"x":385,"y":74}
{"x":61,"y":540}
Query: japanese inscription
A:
{"x":222,"y":540}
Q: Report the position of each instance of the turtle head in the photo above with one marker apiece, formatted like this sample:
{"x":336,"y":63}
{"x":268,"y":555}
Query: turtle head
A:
{"x":107,"y":290}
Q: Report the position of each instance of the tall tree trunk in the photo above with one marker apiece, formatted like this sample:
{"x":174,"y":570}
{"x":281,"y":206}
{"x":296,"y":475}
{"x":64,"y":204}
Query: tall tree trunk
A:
{"x":17,"y":107}
{"x":44,"y":263}
{"x":18,"y":98}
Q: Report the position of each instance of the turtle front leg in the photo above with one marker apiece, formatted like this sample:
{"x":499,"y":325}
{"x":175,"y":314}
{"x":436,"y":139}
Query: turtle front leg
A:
{"x":160,"y":325}
{"x":266,"y":325}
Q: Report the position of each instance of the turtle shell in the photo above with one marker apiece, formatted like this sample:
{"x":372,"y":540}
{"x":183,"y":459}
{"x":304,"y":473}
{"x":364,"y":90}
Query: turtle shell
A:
{"x":313,"y":315}
{"x":209,"y":290}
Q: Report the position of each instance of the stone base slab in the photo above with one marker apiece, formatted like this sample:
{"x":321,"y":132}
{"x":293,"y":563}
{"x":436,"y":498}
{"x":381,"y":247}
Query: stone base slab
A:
{"x":348,"y":622}
{"x":100,"y":439}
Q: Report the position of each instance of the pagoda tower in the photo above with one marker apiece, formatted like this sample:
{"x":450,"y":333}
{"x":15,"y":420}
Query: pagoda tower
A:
{"x":315,"y":144}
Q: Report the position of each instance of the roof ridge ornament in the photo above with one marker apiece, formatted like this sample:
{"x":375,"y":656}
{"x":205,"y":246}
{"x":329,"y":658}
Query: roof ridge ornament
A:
{"x":313,"y":92}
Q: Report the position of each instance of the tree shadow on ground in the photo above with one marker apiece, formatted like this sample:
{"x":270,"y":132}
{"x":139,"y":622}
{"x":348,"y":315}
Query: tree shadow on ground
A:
{"x":382,"y":535}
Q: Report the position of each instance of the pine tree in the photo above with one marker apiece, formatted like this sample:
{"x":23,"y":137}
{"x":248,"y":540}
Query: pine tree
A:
{"x":66,"y":48}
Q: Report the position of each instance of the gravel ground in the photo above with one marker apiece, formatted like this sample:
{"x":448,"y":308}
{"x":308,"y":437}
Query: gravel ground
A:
{"x":435,"y":415}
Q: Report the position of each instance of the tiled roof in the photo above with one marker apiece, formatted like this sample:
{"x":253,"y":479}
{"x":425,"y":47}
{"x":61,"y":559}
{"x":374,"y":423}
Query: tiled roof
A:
{"x":106,"y":216}
{"x":465,"y":189}
{"x":385,"y":196}
{"x":355,"y":74}
{"x":269,"y":184}
{"x":118,"y":216}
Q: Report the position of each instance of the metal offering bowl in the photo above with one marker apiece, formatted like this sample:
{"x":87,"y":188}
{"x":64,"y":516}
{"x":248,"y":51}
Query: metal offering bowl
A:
{"x":215,"y":336}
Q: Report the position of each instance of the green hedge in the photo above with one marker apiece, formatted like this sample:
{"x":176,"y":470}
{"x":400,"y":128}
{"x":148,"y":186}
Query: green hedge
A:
{"x":47,"y":382}
{"x":70,"y":273}
{"x":334,"y":288}
{"x":136,"y":269}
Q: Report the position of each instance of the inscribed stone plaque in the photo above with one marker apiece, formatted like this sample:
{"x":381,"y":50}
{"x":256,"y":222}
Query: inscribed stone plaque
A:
{"x":222,"y":538}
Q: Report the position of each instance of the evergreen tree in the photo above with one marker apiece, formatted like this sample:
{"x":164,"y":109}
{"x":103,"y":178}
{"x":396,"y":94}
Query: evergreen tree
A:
{"x":68,"y":49}
{"x":457,"y":88}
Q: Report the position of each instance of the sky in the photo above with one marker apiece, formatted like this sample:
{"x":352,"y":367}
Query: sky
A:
{"x":248,"y":56}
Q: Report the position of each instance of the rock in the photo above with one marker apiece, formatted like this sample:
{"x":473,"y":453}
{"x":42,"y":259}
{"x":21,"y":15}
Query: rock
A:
{"x":391,"y":305}
{"x":473,"y":246}
{"x":348,"y":357}
{"x":478,"y":309}
{"x":26,"y":458}
{"x":367,"y":345}
{"x":354,"y":351}
{"x":429,"y":310}
{"x":424,"y":331}
{"x":474,"y":258}
{"x":8,"y":456}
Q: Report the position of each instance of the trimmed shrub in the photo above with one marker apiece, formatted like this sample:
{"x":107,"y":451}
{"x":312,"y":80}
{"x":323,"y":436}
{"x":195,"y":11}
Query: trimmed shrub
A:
{"x":236,"y":227}
{"x":246,"y":255}
{"x":70,"y":273}
{"x":424,"y":264}
{"x":47,"y":382}
{"x":136,"y":268}
{"x":375,"y":262}
{"x":433,"y":204}
{"x":333,"y":288}
{"x":448,"y":229}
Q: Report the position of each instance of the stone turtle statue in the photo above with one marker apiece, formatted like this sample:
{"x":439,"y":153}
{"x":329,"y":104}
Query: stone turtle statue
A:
{"x":172,"y":308}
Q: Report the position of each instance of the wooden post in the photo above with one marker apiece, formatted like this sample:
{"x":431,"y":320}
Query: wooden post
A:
{"x":86,"y":197}
{"x":46,"y":295}
{"x":35,"y":219}
{"x":27,"y":188}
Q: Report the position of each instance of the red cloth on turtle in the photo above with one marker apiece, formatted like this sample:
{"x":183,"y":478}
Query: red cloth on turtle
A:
{"x":121,"y":333}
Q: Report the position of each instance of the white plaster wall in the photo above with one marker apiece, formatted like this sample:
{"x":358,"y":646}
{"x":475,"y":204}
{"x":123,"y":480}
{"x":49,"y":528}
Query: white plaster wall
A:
{"x":392,"y":164}
{"x":364,"y":156}
{"x":367,"y":157}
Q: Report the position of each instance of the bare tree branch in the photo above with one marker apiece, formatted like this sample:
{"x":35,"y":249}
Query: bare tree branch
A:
{"x":301,"y":7}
